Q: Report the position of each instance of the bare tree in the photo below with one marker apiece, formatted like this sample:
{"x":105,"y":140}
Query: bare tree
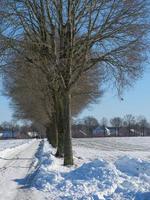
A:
{"x":11,"y":126}
{"x":142,"y":123}
{"x":104,"y":121}
{"x":30,"y":94}
{"x":90,"y":123}
{"x":117,"y":122}
{"x":32,"y":98}
{"x":75,"y":36}
{"x":129,"y":122}
{"x":87,"y":90}
{"x":104,"y":124}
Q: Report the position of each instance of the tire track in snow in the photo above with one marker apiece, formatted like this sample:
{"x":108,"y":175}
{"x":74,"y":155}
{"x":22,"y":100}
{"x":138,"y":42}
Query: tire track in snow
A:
{"x":9,"y":161}
{"x":15,"y":168}
{"x":26,"y":192}
{"x":10,"y":158}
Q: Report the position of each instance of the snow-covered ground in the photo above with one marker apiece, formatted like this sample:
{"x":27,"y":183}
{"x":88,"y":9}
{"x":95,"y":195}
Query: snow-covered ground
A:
{"x":16,"y":158}
{"x":8,"y":144}
{"x":111,"y":149}
{"x":105,"y":169}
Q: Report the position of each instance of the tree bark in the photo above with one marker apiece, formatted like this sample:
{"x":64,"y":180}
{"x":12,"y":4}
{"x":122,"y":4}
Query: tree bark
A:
{"x":60,"y":127}
{"x":51,"y":132}
{"x":60,"y":146}
{"x":48,"y":134}
{"x":68,"y":155}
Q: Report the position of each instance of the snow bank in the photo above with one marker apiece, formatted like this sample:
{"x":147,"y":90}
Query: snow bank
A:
{"x":94,"y":179}
{"x":125,"y":179}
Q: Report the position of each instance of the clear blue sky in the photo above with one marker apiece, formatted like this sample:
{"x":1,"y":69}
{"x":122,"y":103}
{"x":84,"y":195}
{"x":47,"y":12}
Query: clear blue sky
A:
{"x":5,"y":111}
{"x":136,"y":102}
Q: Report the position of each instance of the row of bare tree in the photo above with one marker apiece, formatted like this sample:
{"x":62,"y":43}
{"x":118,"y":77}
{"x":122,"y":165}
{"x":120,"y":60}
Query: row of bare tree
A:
{"x":55,"y":55}
{"x":21,"y":131}
{"x":128,"y":125}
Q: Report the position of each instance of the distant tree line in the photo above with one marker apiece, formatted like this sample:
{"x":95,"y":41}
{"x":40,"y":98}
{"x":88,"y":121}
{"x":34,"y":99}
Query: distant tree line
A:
{"x":20,"y":131}
{"x":129,"y":125}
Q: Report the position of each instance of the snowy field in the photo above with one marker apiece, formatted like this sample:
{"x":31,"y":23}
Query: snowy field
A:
{"x":112,"y":148}
{"x":105,"y":169}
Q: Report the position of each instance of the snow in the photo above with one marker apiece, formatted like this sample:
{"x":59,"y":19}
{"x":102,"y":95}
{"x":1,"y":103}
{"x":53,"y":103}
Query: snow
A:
{"x":6,"y":144}
{"x":118,"y":177}
{"x":111,"y":149}
{"x":104,"y":169}
{"x":132,"y":166}
{"x":15,"y":160}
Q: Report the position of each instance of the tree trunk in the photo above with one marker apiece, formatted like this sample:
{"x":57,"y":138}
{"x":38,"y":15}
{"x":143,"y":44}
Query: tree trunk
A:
{"x":57,"y":99}
{"x":68,"y":155}
{"x":51,"y":136}
{"x":104,"y":131}
{"x":60,"y":146}
{"x":51,"y":132}
{"x":60,"y":127}
{"x":48,"y":134}
{"x":143,"y":131}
